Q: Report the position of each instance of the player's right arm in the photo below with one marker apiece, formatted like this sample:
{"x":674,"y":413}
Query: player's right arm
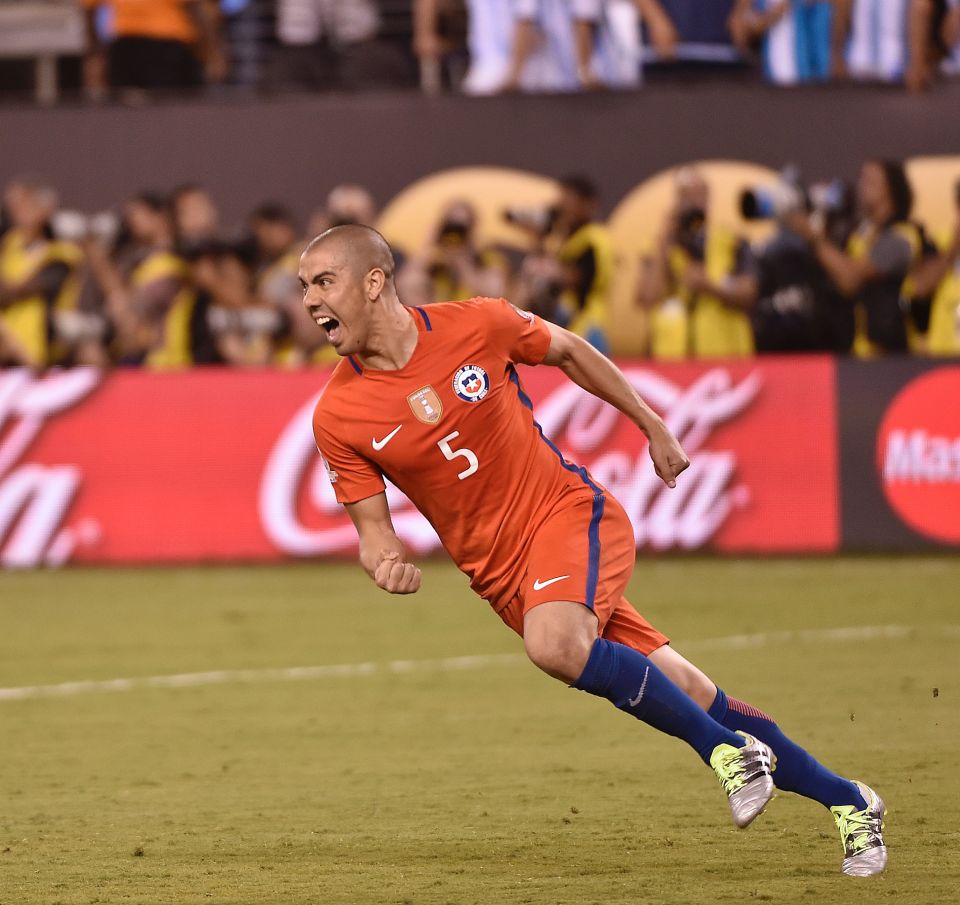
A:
{"x":381,"y":552}
{"x":359,"y":487}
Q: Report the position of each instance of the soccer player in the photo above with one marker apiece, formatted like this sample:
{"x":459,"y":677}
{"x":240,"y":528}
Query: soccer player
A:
{"x":430,"y":398}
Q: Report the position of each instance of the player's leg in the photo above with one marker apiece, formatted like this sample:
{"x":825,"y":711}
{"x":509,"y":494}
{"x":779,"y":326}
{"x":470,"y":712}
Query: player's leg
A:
{"x":857,"y":810}
{"x":587,"y":551}
{"x":561,"y":638}
{"x":797,"y":771}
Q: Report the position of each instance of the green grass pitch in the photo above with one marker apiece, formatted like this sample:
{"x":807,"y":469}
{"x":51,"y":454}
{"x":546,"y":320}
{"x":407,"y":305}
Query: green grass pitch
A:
{"x":490,"y":784}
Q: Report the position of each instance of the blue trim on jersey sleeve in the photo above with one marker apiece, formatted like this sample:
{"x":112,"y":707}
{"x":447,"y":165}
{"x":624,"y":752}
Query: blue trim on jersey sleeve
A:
{"x":356,"y":367}
{"x":423,"y":314}
{"x":593,"y":532}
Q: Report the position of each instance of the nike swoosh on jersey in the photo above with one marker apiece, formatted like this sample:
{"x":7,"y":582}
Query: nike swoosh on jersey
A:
{"x":539,"y":585}
{"x":379,"y":444}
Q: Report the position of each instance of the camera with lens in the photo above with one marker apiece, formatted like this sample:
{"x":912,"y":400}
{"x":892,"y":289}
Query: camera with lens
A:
{"x":76,"y":226}
{"x":772,"y":202}
{"x":453,"y":232}
{"x":539,"y":220}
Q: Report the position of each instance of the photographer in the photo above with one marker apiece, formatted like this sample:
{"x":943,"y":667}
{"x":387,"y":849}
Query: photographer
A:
{"x":38,"y":278}
{"x":455,"y":265}
{"x":798,"y":308}
{"x":144,"y":284}
{"x":230,"y":324}
{"x":939,"y":276}
{"x":584,"y":251}
{"x":699,"y":282}
{"x":878,"y":258}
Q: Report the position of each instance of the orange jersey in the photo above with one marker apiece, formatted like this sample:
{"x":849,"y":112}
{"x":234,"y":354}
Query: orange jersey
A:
{"x":160,"y":19}
{"x":455,"y":432}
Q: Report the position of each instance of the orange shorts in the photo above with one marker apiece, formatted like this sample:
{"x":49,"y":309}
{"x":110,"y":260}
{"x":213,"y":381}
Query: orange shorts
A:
{"x":585,"y":553}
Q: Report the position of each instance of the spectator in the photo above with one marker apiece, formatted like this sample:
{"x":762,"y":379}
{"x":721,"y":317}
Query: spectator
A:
{"x":513,"y":44}
{"x":439,"y":42}
{"x":456,"y":266}
{"x":793,"y":37}
{"x":145,"y":285}
{"x":798,"y":309}
{"x":939,"y":277}
{"x":541,"y":53}
{"x":196,"y":219}
{"x":276,"y":247}
{"x":540,"y":287}
{"x":607,"y":40}
{"x":415,"y":286}
{"x":241,"y":326}
{"x":155,"y":45}
{"x":884,"y":40}
{"x":349,"y":204}
{"x":879,"y":256}
{"x":585,"y":251}
{"x":333,"y":44}
{"x":699,"y":281}
{"x":950,"y":38}
{"x":38,"y":278}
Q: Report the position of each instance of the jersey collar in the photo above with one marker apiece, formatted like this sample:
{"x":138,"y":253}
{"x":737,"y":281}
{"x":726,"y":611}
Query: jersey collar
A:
{"x":421,"y":319}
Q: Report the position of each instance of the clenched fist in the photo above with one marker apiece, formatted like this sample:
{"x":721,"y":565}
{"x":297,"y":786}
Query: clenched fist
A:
{"x":396,"y":576}
{"x":668,"y":457}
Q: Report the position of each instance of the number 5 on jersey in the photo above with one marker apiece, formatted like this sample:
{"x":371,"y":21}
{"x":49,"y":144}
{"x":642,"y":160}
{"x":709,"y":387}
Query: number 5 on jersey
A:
{"x":450,"y":453}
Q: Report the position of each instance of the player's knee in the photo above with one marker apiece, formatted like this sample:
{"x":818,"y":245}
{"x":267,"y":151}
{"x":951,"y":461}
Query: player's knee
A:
{"x":561,"y":655}
{"x":685,"y":675}
{"x":700,"y":688}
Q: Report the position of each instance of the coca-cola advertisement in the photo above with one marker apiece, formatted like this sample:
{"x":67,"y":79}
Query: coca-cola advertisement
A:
{"x":220,"y":465}
{"x":900,"y":446}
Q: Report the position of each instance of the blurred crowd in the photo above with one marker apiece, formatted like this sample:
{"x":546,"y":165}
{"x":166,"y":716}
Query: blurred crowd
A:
{"x":161,"y":283}
{"x":492,"y":46}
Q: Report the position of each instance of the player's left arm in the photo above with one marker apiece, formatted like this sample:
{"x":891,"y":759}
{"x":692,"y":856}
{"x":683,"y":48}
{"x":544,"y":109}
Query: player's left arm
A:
{"x":599,"y":376}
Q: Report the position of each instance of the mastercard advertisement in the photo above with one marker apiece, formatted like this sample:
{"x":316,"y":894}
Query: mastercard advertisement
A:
{"x":899,"y":426}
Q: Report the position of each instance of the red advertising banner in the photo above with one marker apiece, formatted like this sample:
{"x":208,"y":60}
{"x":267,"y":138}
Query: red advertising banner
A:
{"x":220,"y":465}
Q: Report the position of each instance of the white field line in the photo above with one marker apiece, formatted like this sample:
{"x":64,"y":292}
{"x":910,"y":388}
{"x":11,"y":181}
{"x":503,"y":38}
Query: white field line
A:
{"x":450,"y":664}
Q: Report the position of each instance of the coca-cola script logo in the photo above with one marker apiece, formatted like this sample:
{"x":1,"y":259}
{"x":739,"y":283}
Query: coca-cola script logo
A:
{"x":34,"y":498}
{"x":918,"y":454}
{"x":295,"y":484}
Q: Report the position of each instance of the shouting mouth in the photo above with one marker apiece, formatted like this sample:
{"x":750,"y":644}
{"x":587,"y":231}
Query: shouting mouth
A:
{"x":331,"y":327}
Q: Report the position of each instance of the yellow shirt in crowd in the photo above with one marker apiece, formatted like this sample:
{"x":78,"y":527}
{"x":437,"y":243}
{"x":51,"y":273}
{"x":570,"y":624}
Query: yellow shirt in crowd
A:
{"x":700,"y":325}
{"x":28,"y":318}
{"x":944,"y":335}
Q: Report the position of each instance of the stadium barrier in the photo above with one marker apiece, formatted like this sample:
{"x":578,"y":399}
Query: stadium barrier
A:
{"x":790,"y":455}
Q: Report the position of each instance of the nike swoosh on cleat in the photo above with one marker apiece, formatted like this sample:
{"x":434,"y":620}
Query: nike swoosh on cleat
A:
{"x":379,"y":444}
{"x":538,"y":584}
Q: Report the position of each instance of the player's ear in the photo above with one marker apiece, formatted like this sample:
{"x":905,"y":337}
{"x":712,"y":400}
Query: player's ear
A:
{"x":374,"y":283}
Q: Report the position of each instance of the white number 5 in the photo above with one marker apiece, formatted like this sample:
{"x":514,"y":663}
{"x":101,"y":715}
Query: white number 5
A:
{"x":452,"y":454}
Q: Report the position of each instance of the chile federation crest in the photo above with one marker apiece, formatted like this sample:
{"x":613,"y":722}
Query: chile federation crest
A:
{"x":471,"y":383}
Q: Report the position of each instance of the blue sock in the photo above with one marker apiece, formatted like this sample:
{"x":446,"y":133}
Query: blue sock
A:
{"x":631,"y":682}
{"x":796,"y":770}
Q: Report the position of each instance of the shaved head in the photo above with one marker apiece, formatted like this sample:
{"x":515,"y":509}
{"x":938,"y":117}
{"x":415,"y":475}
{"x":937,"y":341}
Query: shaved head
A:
{"x":360,"y":247}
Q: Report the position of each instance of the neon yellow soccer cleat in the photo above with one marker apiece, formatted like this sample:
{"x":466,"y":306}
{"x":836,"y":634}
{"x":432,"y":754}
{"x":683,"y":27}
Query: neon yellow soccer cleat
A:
{"x":744,"y":774}
{"x":861,"y":832}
